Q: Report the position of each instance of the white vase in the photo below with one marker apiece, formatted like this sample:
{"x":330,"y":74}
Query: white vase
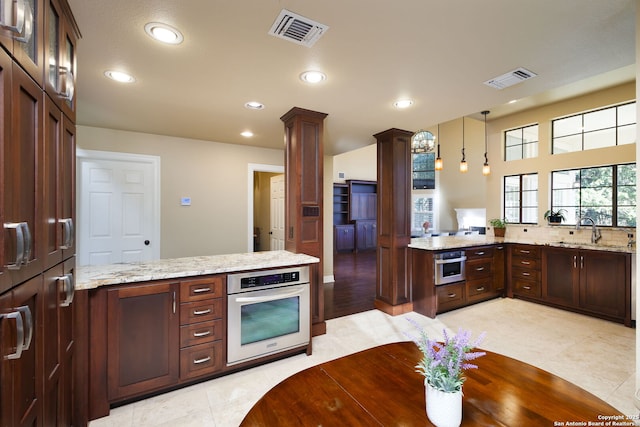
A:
{"x":443,"y":409}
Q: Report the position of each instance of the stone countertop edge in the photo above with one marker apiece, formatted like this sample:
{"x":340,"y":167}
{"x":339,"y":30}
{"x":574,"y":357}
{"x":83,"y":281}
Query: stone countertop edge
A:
{"x":92,"y":277}
{"x":455,"y":242}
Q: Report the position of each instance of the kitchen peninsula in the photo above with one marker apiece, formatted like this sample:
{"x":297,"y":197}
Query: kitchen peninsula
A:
{"x":164,"y":324}
{"x":592,"y":279}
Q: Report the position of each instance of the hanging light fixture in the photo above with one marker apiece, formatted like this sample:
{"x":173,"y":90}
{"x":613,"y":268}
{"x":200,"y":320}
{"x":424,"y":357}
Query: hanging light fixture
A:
{"x":422,"y":141}
{"x":486,"y":169}
{"x":438,"y":162}
{"x":463,"y":163}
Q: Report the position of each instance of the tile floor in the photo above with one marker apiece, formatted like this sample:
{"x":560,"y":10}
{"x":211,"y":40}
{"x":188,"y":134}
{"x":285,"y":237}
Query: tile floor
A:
{"x":597,"y":355}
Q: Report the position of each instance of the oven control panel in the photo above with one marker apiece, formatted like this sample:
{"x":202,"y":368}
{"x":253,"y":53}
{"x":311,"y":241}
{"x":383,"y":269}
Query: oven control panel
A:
{"x":264,"y":279}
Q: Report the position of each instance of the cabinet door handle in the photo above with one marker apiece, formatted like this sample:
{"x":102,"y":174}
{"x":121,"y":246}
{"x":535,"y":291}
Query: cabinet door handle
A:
{"x":13,"y":9}
{"x":479,"y":268}
{"x":581,"y":262}
{"x":525,"y":262}
{"x":25,"y":13}
{"x":67,"y":224}
{"x":201,"y":290}
{"x":27,"y":242}
{"x":28,"y":322}
{"x":528,"y":288}
{"x":480,"y":289}
{"x":68,"y":287}
{"x":201,"y":334}
{"x":203,"y":360}
{"x":575,"y":261}
{"x":480,"y":253}
{"x":17,"y":226}
{"x":452,"y":295}
{"x":524,"y":273}
{"x":500,"y":248}
{"x":525,"y":251}
{"x":201,"y":312}
{"x":19,"y":334}
{"x":174,"y":302}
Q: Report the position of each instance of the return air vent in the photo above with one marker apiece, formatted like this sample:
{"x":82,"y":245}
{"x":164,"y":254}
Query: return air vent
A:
{"x":297,"y":29}
{"x":511,"y":78}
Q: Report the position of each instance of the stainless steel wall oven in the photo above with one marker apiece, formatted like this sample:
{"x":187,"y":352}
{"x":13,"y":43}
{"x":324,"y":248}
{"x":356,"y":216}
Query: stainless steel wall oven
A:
{"x":268,"y":312}
{"x":449,"y":267}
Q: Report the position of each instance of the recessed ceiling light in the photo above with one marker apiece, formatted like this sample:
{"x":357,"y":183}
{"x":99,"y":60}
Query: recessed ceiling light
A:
{"x":119,"y":76}
{"x":312,"y":77}
{"x":247,"y":134}
{"x":513,"y":101}
{"x":254,"y":105}
{"x":163,"y":33}
{"x":403,"y":103}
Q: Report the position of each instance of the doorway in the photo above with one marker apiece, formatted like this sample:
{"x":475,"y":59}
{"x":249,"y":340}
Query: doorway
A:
{"x":259,"y":202}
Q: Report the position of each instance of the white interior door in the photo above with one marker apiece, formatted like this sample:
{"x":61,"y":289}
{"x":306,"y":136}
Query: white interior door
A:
{"x":276,"y":231}
{"x":117,"y":216}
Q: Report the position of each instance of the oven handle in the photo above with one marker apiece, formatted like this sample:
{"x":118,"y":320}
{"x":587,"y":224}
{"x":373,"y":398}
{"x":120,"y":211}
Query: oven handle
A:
{"x":271,"y":297}
{"x":450,"y":261}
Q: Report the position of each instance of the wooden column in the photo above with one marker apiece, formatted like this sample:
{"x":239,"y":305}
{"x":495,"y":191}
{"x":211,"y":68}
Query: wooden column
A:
{"x":393,"y":280}
{"x":303,"y":198}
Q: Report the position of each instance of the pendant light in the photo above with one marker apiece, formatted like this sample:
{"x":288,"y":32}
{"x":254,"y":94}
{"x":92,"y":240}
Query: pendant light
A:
{"x":463,"y":163}
{"x":438,"y":162}
{"x":486,"y":169}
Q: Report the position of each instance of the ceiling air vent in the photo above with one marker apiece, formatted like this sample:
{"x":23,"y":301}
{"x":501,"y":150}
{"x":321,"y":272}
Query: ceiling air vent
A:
{"x":511,"y":78}
{"x":297,"y":29}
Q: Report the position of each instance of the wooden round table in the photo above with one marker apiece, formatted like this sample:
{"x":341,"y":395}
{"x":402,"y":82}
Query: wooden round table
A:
{"x":380,"y":386}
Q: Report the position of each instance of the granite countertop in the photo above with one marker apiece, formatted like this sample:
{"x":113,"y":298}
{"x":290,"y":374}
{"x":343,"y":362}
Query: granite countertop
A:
{"x":95,"y":276}
{"x":453,"y":242}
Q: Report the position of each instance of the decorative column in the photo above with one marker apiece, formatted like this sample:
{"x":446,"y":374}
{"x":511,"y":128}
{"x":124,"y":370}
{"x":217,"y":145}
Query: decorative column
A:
{"x":303,"y":198}
{"x":393,"y":281}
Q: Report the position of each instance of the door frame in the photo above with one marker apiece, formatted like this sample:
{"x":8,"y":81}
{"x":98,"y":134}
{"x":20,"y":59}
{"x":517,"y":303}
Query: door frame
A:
{"x":251,"y":168}
{"x":154,"y":161}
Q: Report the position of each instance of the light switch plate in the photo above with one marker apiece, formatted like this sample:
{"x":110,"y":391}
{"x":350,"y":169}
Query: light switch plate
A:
{"x":185,"y":201}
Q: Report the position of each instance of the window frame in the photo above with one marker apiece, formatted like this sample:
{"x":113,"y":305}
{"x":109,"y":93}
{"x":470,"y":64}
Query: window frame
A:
{"x":522,"y":144}
{"x":520,"y":198}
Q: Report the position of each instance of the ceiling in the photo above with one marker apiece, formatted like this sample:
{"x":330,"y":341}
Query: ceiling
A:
{"x":437,"y":53}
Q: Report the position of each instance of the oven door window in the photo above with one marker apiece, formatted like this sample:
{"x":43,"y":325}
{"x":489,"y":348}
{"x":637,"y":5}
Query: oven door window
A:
{"x":270,"y":319}
{"x":450,"y":269}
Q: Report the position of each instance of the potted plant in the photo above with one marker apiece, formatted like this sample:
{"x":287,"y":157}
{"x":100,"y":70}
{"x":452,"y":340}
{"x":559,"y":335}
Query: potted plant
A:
{"x":442,"y":366}
{"x":555,"y":217}
{"x":499,"y":226}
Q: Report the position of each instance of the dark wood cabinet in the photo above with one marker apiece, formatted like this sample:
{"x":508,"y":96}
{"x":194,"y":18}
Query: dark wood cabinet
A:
{"x":593,"y":282}
{"x":524,"y":271}
{"x":366,"y":235}
{"x":340,"y":204}
{"x":22,"y":354}
{"x":345,"y":237}
{"x":142,"y":338}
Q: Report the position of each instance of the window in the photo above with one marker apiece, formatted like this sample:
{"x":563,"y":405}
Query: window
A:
{"x":424,"y":171}
{"x":606,"y":194}
{"x":521,"y":143}
{"x":607,"y":127}
{"x":521,"y":198}
{"x":422,"y":212}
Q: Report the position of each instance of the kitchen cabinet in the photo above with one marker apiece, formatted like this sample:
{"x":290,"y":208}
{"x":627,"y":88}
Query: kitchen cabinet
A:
{"x":142,"y":338}
{"x":21,"y":367}
{"x":345,"y":237}
{"x":201,"y":326}
{"x":524,"y":271}
{"x":593,"y":282}
{"x":499,"y":267}
{"x":451,"y":296}
{"x":363,"y":200}
{"x":366,"y":235}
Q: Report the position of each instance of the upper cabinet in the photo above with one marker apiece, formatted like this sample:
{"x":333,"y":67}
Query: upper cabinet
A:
{"x":60,"y":38}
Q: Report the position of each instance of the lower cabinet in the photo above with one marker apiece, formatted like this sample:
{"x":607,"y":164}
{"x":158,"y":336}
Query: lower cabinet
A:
{"x":366,"y":235}
{"x":593,"y":282}
{"x":142,"y":338}
{"x":345,"y":238}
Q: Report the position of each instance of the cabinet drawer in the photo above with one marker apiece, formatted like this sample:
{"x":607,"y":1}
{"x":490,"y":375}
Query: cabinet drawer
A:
{"x":478,"y":253}
{"x":200,"y":333}
{"x":201,"y":289}
{"x":200,"y":311}
{"x":479,"y":268}
{"x":525,"y":262}
{"x":450,"y":296}
{"x":526,"y":287}
{"x":478,"y":289}
{"x":526,"y":251}
{"x":200,"y":360}
{"x":525,"y":273}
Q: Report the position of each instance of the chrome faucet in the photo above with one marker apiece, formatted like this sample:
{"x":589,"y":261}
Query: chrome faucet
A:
{"x":595,"y":233}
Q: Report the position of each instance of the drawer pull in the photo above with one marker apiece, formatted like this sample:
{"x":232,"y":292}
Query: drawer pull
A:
{"x":480,"y":289}
{"x":525,"y":262}
{"x":201,"y":290}
{"x":201,"y":312}
{"x":526,"y":274}
{"x":528,"y":288}
{"x":201,"y":334}
{"x":452,"y":295}
{"x":480,"y":253}
{"x":479,"y":268}
{"x":524,"y":251}
{"x":203,"y":360}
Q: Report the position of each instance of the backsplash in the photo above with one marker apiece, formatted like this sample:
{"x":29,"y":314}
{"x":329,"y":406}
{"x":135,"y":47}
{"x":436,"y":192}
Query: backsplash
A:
{"x":568,"y":234}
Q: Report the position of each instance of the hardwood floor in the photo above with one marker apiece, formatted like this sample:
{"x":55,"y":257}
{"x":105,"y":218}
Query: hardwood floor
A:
{"x":354,"y":289}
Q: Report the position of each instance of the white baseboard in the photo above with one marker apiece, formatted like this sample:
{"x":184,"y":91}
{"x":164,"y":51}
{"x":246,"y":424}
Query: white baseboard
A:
{"x":328,"y":279}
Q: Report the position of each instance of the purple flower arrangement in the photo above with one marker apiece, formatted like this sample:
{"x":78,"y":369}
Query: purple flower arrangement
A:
{"x":443,"y":363}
